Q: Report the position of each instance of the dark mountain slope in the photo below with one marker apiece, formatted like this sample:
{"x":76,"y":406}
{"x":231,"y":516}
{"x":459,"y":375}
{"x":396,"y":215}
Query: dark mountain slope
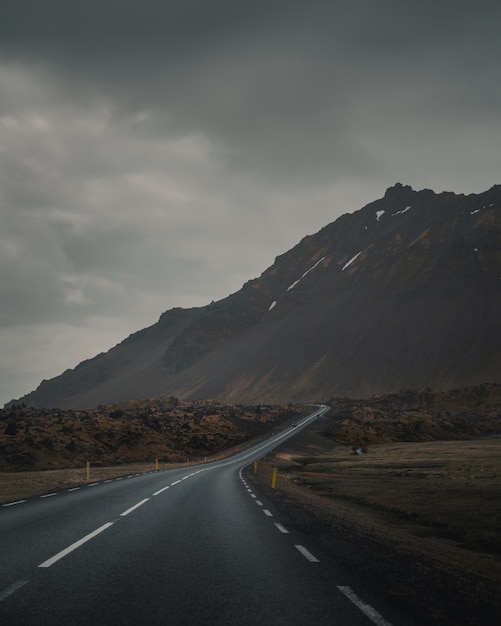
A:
{"x":404,"y":293}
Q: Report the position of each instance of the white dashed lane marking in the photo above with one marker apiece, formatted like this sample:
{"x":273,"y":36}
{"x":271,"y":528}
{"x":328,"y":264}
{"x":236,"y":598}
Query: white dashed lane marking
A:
{"x":307,"y":554}
{"x":133,"y":508}
{"x":12,"y":589}
{"x":281,"y":528}
{"x":75,"y":545}
{"x":366,"y":609}
{"x":160,"y":490}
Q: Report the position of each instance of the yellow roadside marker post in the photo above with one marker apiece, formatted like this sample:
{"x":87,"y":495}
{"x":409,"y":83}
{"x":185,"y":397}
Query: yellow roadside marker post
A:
{"x":274,"y":478}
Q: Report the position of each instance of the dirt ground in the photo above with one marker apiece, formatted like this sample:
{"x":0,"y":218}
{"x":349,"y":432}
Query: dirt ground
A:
{"x":419,"y":522}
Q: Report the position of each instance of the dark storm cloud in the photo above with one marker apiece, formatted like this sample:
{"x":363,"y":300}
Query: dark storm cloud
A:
{"x":273,"y":83}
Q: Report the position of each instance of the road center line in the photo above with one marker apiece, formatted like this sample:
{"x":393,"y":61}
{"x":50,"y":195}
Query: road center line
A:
{"x":133,"y":508}
{"x":176,"y":482}
{"x":268,"y":513}
{"x":74,"y":489}
{"x":307,"y":554}
{"x":48,"y":495}
{"x":14,"y":503}
{"x":366,"y":609}
{"x":75,"y":545}
{"x":160,"y":490}
{"x":12,"y":589}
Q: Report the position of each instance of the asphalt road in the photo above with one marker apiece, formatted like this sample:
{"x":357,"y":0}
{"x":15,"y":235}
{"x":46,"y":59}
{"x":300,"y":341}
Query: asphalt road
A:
{"x":188,"y":546}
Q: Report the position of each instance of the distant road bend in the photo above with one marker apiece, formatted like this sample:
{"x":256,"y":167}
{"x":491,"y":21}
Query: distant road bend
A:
{"x":193,"y":546}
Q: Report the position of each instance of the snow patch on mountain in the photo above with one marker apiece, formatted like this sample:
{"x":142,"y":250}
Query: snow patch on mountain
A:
{"x":352,"y":260}
{"x":307,"y":272}
{"x":402,"y":211}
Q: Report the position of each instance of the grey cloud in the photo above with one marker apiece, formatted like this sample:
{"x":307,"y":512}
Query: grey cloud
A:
{"x":271,"y":83}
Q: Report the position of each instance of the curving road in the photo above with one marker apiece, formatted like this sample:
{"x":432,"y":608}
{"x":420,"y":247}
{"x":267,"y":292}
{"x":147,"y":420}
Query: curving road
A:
{"x":187,"y":546}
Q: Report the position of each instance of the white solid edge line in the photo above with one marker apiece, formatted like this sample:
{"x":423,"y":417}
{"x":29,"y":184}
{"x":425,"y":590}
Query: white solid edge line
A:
{"x":307,"y":554}
{"x":133,"y":508}
{"x":75,"y":545}
{"x":366,"y":609}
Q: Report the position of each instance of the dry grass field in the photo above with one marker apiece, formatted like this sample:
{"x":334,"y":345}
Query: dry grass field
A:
{"x":19,"y":485}
{"x":445,"y":491}
{"x":426,"y":516}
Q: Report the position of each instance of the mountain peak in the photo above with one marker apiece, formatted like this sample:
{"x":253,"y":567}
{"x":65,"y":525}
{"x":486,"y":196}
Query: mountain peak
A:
{"x":410,"y":298}
{"x":398,"y":189}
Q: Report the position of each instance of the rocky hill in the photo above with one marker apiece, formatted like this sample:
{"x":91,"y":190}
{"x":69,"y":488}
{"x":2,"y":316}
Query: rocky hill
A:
{"x":403,"y":294}
{"x":129,"y":432}
{"x":417,"y":415}
{"x":174,"y":430}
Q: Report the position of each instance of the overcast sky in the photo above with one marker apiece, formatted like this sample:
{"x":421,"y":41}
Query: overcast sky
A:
{"x":160,"y":153}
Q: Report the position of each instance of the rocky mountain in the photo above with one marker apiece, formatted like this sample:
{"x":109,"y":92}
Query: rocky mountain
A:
{"x":403,"y":294}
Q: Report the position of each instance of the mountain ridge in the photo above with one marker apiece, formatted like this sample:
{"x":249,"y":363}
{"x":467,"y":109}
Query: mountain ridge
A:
{"x":403,"y":293}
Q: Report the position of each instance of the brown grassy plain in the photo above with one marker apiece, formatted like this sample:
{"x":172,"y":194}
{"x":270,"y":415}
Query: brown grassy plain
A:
{"x":426,"y":515}
{"x":446,"y":492}
{"x":19,"y":485}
